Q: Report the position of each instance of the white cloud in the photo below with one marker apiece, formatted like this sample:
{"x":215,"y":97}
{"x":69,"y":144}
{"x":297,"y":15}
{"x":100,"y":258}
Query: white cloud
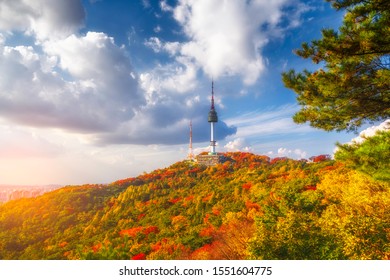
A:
{"x":225,"y":38}
{"x":371,"y":131}
{"x":77,"y":83}
{"x":63,"y":80}
{"x":366,"y":133}
{"x":173,"y":78}
{"x":300,"y":154}
{"x":238,"y":144}
{"x":275,"y":121}
{"x":56,"y":19}
{"x":157,"y":29}
{"x":155,"y":44}
{"x":284,"y":152}
{"x":165,"y":6}
{"x":223,"y":42}
{"x":16,"y":142}
{"x":87,"y":83}
{"x":172,"y":47}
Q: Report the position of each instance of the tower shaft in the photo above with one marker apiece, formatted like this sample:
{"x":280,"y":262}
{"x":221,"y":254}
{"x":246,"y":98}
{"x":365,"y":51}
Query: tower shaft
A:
{"x":212,"y":140}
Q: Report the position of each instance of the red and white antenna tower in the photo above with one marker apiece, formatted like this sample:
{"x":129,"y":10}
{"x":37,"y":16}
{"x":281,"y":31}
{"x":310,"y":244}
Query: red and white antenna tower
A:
{"x":190,"y":150}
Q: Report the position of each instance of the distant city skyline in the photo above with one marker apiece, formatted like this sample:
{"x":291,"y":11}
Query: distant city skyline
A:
{"x":12,"y":192}
{"x":93,"y":91}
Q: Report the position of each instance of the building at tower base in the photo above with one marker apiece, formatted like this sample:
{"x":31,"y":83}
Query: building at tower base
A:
{"x":210,"y":160}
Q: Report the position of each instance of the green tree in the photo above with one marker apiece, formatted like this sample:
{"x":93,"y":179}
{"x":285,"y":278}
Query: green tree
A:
{"x":353,"y":86}
{"x":370,"y":157}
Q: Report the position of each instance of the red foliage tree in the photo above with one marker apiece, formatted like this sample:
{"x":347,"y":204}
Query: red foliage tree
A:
{"x":216,"y":210}
{"x":97,"y":247}
{"x":175,"y":200}
{"x":252,"y":205}
{"x":63,"y":244}
{"x":277,"y":159}
{"x":140,"y":216}
{"x":320,"y":158}
{"x":310,"y":188}
{"x":151,"y":229}
{"x":140,"y":256}
{"x":203,"y":253}
{"x":207,"y":232}
{"x":131,"y":231}
{"x":207,"y":198}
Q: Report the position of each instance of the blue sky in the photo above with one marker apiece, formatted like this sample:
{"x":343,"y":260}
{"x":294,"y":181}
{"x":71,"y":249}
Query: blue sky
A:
{"x":94,"y":91}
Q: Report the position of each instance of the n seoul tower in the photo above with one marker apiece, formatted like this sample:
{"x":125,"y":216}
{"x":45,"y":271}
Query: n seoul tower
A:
{"x":212,"y":119}
{"x":212,"y":158}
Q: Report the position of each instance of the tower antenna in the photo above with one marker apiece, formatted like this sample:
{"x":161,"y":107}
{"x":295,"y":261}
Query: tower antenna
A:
{"x":212,"y":95}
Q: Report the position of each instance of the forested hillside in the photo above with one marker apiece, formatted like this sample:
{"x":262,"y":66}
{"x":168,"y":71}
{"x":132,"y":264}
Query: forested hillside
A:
{"x":250,"y":207}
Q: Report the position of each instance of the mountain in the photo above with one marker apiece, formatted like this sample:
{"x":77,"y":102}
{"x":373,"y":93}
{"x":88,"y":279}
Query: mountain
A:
{"x":250,"y":207}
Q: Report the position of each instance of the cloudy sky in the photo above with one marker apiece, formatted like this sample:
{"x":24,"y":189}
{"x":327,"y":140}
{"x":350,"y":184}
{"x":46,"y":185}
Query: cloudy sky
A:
{"x":97,"y":90}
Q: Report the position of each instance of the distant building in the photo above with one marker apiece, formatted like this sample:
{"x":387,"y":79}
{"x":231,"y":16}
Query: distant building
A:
{"x":8,"y":193}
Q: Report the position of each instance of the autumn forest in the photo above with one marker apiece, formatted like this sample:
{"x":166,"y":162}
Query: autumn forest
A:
{"x":250,"y":207}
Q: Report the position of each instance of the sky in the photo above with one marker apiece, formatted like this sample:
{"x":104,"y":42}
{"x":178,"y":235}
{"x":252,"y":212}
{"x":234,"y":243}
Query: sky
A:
{"x":94,"y":91}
